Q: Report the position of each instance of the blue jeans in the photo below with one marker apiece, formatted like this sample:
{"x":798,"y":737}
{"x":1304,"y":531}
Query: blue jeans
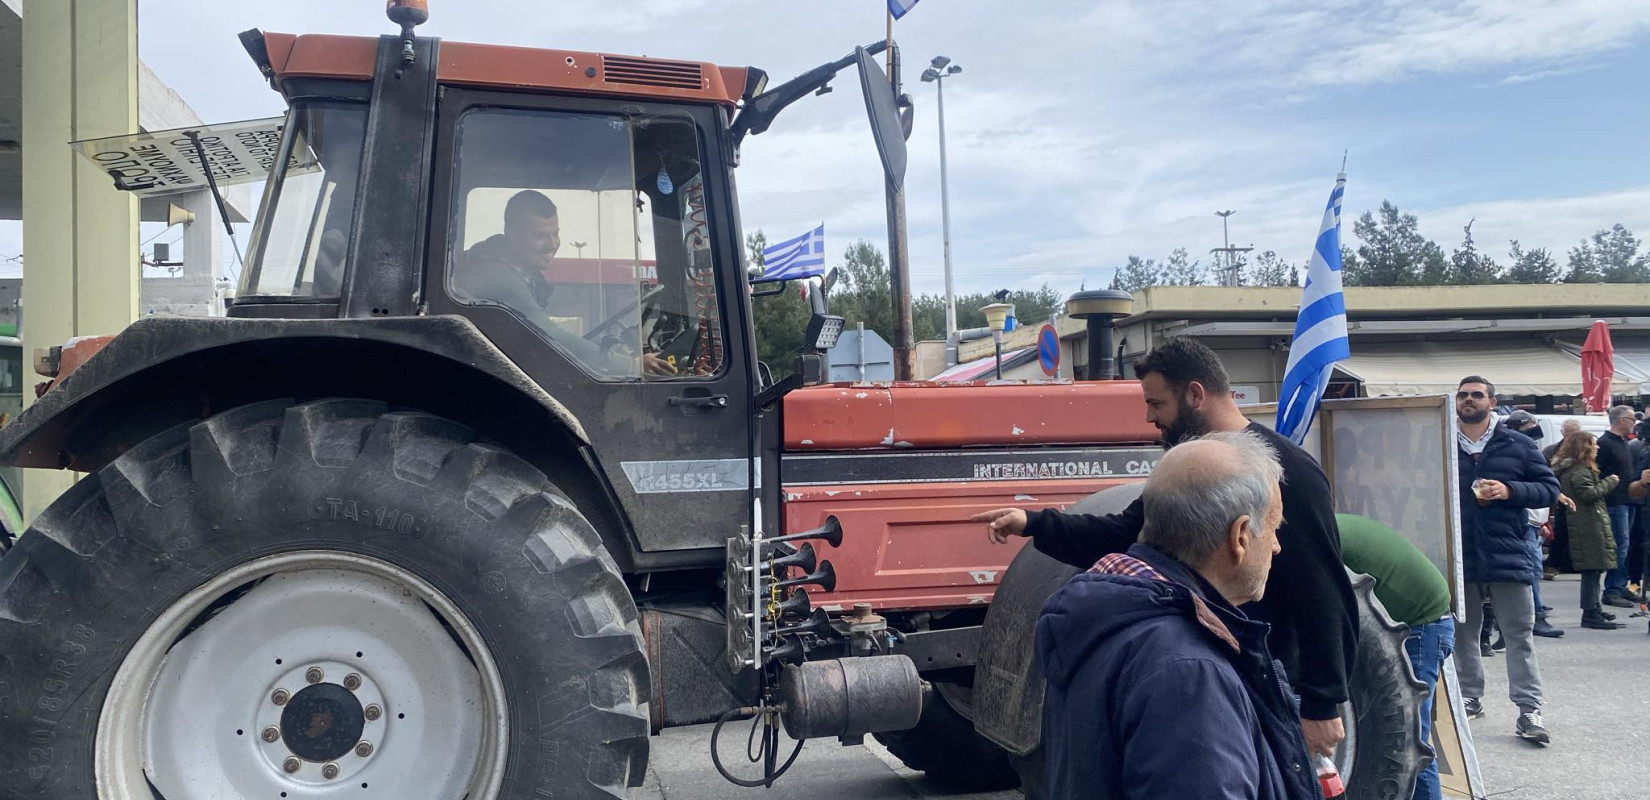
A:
{"x":1428,"y":645}
{"x":1535,"y":582}
{"x":1621,"y":523}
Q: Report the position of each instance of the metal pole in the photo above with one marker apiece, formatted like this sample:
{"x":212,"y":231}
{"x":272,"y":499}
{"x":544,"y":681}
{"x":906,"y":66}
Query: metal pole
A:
{"x":997,"y":342}
{"x":899,"y":266}
{"x":1227,"y":274}
{"x":945,"y":220}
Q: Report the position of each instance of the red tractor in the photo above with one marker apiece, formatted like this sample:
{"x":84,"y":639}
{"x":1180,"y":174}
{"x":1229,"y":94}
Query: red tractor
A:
{"x":440,"y":512}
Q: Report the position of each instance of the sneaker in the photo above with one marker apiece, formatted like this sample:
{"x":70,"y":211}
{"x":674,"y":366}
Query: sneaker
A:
{"x":1549,"y":574}
{"x":1500,"y":643}
{"x":1530,"y":727}
{"x":1485,"y":651}
{"x":1619,"y":601}
{"x":1544,"y":610}
{"x":1474,"y":707}
{"x":1597,"y":621}
{"x":1545,"y":628}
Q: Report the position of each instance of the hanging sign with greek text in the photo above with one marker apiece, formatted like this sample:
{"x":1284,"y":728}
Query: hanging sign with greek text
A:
{"x":169,"y":162}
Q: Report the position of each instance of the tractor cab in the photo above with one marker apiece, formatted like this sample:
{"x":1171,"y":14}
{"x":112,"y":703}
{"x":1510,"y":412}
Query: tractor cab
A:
{"x":577,"y":208}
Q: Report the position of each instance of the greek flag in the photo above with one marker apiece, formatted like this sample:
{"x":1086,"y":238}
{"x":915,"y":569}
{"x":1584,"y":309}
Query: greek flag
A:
{"x":898,"y":8}
{"x":1320,"y":328}
{"x":801,"y":257}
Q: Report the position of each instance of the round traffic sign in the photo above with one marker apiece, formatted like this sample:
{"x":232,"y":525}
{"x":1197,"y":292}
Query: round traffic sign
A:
{"x":1048,"y":350}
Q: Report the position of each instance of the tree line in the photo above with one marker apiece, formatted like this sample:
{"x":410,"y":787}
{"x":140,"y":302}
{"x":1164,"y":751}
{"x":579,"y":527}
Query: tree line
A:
{"x":1392,"y":252}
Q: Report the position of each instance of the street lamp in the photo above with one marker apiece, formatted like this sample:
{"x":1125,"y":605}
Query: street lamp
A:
{"x":938,"y":70}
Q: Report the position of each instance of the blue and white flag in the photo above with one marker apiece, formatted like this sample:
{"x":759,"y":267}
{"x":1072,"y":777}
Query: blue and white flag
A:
{"x":898,"y":8}
{"x":801,"y":257}
{"x":1320,"y":328}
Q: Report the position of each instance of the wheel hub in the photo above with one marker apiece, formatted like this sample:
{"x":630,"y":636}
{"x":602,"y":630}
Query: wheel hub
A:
{"x":332,"y":731}
{"x":322,"y":722}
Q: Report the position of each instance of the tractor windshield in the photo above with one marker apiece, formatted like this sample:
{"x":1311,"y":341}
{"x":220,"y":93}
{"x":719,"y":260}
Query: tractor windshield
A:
{"x":303,"y":231}
{"x":592,"y":229}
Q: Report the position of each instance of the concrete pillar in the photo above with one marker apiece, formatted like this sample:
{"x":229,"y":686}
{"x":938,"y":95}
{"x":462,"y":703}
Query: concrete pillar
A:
{"x":191,"y":291}
{"x":82,"y":275}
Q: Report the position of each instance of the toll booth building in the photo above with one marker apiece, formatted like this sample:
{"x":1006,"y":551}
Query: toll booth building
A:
{"x":1404,"y":340}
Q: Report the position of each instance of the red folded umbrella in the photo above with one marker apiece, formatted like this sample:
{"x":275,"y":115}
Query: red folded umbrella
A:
{"x":1598,"y":367}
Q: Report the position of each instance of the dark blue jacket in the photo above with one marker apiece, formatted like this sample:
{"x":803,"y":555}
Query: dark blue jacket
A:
{"x":1495,"y":539}
{"x":1163,"y":689}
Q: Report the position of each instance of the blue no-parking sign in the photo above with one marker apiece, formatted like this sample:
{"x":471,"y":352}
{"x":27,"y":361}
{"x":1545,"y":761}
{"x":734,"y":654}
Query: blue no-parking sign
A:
{"x":1048,"y":350}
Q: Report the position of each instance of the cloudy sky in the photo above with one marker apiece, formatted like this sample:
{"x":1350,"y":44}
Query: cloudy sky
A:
{"x":1082,"y":132}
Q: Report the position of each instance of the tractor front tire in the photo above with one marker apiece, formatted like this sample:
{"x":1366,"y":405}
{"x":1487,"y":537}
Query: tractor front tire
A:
{"x":384,"y":571}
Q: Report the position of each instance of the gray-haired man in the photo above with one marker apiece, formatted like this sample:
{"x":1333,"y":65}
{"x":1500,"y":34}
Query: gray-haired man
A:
{"x":1615,"y":458}
{"x":1158,"y":685}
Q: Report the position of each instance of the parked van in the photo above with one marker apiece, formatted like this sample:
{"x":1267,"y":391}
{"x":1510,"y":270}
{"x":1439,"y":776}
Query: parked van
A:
{"x":1551,"y":424}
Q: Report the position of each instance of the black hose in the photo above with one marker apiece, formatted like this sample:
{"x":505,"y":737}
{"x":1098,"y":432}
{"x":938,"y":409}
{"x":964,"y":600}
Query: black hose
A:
{"x":769,"y":777}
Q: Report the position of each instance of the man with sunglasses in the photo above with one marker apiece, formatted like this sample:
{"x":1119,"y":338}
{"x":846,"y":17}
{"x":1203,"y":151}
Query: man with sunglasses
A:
{"x":1502,"y":475}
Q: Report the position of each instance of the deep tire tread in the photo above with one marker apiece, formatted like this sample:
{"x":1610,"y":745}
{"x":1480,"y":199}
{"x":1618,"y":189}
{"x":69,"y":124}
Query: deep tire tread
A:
{"x":142,"y":507}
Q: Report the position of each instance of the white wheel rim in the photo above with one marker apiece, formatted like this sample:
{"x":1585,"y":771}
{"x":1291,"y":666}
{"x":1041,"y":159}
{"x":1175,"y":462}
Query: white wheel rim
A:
{"x":190,"y":716}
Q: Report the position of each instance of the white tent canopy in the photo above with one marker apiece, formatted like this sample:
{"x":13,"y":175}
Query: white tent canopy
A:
{"x":1516,"y":368}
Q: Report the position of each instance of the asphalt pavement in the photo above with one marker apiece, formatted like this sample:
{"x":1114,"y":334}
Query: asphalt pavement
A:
{"x":680,"y":769}
{"x":1597,"y":689}
{"x":1597,"y":686}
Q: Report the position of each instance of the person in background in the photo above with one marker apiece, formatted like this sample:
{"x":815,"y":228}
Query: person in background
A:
{"x":1522,"y":422}
{"x":1592,"y":545}
{"x":1158,"y":686}
{"x":1558,"y":554}
{"x":1639,"y":450}
{"x":1615,"y":459}
{"x":1501,"y":475}
{"x":1415,"y":593}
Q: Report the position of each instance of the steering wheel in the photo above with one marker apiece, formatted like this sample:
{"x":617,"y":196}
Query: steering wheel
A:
{"x":617,"y":315}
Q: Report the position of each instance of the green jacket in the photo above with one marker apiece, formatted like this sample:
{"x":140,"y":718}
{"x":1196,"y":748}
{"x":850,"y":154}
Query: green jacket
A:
{"x":1407,"y":583}
{"x":1592,"y":547}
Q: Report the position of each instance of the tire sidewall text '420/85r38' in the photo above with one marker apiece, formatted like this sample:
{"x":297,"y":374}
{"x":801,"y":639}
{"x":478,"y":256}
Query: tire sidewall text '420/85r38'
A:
{"x":445,"y":533}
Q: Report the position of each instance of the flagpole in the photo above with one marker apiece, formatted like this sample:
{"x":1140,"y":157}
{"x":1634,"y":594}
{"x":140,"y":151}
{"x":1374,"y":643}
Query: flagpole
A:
{"x":899,"y":264}
{"x":888,"y":54}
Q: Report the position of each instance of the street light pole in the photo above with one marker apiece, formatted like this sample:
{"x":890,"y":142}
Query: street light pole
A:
{"x":938,"y":70}
{"x":945,"y":219}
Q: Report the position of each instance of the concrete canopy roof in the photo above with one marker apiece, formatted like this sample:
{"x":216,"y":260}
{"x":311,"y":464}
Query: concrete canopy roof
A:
{"x":159,"y":108}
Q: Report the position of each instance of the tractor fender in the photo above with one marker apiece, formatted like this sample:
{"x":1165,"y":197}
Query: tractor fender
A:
{"x":162,"y":371}
{"x":165,"y":371}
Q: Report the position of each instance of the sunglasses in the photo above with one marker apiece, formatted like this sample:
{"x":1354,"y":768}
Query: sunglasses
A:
{"x":1473,"y":395}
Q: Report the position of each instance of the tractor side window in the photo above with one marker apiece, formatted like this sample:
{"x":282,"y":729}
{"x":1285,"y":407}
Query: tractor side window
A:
{"x":591,"y":228}
{"x":303,"y":232}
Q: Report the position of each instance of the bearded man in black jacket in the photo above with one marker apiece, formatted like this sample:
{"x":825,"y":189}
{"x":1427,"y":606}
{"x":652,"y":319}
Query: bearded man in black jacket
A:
{"x":1308,"y":599}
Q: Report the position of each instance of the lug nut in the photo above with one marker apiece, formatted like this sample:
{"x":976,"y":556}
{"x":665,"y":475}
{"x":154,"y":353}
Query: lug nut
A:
{"x":291,"y":764}
{"x":363,"y":749}
{"x":374,"y":712}
{"x":272,"y":734}
{"x":280,"y":697}
{"x":329,"y":771}
{"x":313,"y":675}
{"x":352,"y":681}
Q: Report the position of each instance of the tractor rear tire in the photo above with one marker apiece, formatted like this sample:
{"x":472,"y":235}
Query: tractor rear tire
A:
{"x":945,"y":746}
{"x":1383,"y":752}
{"x":531,"y":599}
